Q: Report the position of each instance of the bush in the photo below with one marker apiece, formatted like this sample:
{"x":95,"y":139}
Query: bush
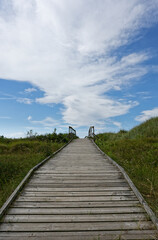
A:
{"x":3,"y":148}
{"x":21,"y":147}
{"x":18,"y":156}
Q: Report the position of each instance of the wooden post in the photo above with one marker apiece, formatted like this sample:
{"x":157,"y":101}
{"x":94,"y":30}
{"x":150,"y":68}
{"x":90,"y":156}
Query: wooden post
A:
{"x":91,"y":132}
{"x":72,"y":132}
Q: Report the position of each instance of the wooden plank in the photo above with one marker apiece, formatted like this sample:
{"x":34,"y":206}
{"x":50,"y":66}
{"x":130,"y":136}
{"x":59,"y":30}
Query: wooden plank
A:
{"x":80,"y":159}
{"x":77,"y":175}
{"x":135,"y":232}
{"x":106,"y":237}
{"x":92,"y":161}
{"x":43,"y":181}
{"x":76,"y":204}
{"x":78,"y":199}
{"x":76,"y":218}
{"x":75,"y":210}
{"x":81,"y":163}
{"x":48,"y":171}
{"x":76,"y":168}
{"x":76,"y":179}
{"x":76,"y":185}
{"x":83,"y":189}
{"x":69,"y":177}
{"x":84,"y":235}
{"x":81,"y":153}
{"x":92,"y":226}
{"x":80,"y":194}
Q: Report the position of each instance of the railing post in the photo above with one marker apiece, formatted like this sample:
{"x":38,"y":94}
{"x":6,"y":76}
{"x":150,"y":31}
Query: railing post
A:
{"x":91,"y":132}
{"x":72,"y":132}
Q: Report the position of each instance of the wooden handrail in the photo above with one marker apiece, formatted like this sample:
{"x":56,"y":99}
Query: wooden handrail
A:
{"x":72,"y":132}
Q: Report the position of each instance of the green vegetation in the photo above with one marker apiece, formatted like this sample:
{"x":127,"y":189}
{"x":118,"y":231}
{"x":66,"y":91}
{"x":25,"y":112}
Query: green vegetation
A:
{"x":137,"y":152}
{"x":18,"y":156}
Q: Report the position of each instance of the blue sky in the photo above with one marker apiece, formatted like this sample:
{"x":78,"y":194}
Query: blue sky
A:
{"x":77,"y":63}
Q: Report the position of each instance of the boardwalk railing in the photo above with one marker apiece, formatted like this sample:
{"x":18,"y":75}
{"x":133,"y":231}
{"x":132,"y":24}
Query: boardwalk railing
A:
{"x":91,"y":132}
{"x":72,"y":132}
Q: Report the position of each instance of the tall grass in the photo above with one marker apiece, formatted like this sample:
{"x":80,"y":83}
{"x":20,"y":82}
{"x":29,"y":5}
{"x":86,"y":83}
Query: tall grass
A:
{"x":18,"y":156}
{"x":137,"y":152}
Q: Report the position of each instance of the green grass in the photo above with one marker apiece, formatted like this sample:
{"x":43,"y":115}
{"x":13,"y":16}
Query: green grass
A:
{"x":137,"y":152}
{"x":18,"y":156}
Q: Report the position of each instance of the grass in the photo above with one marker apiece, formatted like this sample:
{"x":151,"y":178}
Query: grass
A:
{"x":18,"y":156}
{"x":137,"y":152}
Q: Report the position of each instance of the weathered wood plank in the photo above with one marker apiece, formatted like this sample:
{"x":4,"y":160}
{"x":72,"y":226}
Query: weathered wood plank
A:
{"x":72,"y":166}
{"x":75,"y":168}
{"x":76,"y":185}
{"x":92,"y":226}
{"x":77,"y":175}
{"x":56,"y":178}
{"x":80,"y":162}
{"x":61,"y":181}
{"x":106,"y":237}
{"x":78,"y":199}
{"x":117,"y":180}
{"x":76,"y":218}
{"x":80,"y":194}
{"x":76,"y":204}
{"x":83,"y":189}
{"x":84,"y":235}
{"x":76,"y":210}
{"x":77,"y":172}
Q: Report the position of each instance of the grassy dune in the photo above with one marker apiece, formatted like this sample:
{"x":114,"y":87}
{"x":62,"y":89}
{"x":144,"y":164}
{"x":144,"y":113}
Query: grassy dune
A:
{"x":18,"y":156}
{"x":137,"y":152}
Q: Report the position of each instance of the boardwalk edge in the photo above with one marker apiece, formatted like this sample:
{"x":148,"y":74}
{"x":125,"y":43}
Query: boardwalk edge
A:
{"x":133,"y":187}
{"x":24,"y":181}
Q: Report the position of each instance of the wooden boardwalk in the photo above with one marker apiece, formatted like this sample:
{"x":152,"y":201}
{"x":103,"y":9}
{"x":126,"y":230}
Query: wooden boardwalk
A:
{"x":77,"y":195}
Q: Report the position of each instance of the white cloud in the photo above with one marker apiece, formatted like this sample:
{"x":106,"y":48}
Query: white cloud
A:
{"x":147,"y":97}
{"x":144,"y":95}
{"x":118,"y":124}
{"x":3,"y":117}
{"x":12,"y":97}
{"x":92,"y":109}
{"x":15,"y":135}
{"x":145,"y":115}
{"x":47,"y":122}
{"x":29,"y":118}
{"x":24,"y":100}
{"x":66,"y":49}
{"x":30,"y":90}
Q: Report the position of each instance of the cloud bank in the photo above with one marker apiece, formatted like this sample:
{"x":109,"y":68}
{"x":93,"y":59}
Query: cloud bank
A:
{"x":147,"y":114}
{"x":71,"y":51}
